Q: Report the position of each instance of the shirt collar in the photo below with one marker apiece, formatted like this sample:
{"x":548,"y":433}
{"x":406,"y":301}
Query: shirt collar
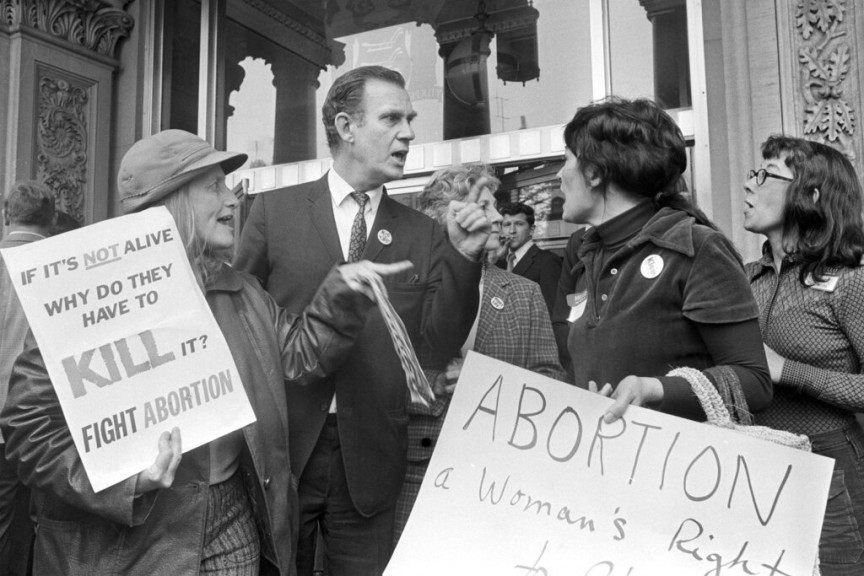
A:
{"x":523,"y":249}
{"x":28,"y":236}
{"x":766,"y":262}
{"x":340,"y":190}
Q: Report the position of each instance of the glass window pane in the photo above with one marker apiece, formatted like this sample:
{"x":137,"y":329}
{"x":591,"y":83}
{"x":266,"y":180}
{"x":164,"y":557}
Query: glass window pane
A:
{"x":649,"y":52}
{"x":180,"y":82}
{"x":270,"y":98}
{"x":556,"y":45}
{"x":564,"y":59}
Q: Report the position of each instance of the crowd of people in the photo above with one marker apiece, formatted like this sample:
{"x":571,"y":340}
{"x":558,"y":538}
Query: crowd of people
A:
{"x":325,"y":479}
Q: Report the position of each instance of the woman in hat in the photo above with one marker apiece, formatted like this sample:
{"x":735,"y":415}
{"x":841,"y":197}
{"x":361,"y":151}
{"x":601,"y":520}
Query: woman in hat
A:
{"x":652,"y":285}
{"x":809,"y":284}
{"x":512,"y":325}
{"x":228,"y":507}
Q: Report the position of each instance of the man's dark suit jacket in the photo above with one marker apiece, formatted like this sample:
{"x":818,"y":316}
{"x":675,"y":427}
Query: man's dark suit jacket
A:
{"x":544,"y":268}
{"x":290,"y":242}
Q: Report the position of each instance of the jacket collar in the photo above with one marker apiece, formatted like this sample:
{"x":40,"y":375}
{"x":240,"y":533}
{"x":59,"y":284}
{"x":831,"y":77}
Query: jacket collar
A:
{"x":227,"y":279}
{"x":668,"y":228}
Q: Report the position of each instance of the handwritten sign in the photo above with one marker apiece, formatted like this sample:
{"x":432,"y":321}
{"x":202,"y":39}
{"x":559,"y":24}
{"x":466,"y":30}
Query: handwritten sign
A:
{"x":527,"y":480}
{"x":129,"y":341}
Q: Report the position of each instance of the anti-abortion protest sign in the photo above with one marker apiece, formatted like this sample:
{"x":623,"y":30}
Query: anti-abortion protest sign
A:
{"x":526,"y":480}
{"x":129,"y":341}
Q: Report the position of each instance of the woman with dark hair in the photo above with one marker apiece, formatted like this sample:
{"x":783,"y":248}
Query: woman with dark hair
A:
{"x":652,"y":285}
{"x":809,"y":284}
{"x":228,"y":508}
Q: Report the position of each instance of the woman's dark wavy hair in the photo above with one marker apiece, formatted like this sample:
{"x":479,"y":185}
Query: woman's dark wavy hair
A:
{"x":637,"y":146}
{"x":827,"y":232}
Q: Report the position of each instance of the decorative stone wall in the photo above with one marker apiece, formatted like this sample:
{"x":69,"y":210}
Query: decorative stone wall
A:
{"x":825,"y":59}
{"x":96,"y":25}
{"x":61,"y":136}
{"x":60,"y":65}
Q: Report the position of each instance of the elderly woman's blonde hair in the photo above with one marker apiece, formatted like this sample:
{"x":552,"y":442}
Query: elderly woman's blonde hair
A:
{"x":205,"y":260}
{"x":450,"y":184}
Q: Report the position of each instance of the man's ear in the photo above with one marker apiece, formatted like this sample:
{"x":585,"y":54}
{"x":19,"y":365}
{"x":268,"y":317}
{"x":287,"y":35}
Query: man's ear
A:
{"x":815,"y":194}
{"x":344,"y":127}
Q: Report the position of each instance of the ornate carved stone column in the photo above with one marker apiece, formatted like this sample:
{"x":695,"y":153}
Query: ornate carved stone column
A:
{"x":823,"y":68}
{"x":58,"y":60}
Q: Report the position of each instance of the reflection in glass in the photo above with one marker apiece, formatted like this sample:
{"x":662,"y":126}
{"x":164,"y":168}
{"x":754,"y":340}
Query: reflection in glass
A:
{"x":562,"y":61}
{"x":180,"y":81}
{"x":252,"y":107}
{"x":269,"y":98}
{"x":649,"y":51}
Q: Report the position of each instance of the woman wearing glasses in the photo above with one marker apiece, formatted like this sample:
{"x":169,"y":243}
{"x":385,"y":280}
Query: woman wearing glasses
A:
{"x":653,"y":284}
{"x":807,"y":201}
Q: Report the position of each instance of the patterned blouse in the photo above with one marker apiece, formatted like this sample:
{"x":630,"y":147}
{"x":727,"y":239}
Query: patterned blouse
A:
{"x":820,"y":331}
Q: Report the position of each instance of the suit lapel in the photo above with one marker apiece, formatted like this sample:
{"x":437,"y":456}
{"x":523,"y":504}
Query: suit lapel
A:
{"x":526,"y":261}
{"x":385,"y":220}
{"x":321,"y":214}
{"x":495,"y":285}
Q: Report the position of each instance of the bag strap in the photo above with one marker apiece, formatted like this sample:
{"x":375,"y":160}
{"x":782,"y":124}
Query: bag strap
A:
{"x":728,"y":385}
{"x":708,"y":396}
{"x":718,"y":415}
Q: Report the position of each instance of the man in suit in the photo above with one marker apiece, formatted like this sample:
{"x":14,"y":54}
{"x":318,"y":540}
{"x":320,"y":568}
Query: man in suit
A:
{"x":28,"y":214}
{"x":524,"y":257}
{"x":348,"y":436}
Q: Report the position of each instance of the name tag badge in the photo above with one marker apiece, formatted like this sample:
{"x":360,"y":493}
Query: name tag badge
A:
{"x":827,"y":285}
{"x":577,"y":305}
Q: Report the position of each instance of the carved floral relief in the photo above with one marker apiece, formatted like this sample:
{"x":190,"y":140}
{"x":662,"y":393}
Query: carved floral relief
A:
{"x":61,"y":139}
{"x":96,"y":25}
{"x":824,"y":67}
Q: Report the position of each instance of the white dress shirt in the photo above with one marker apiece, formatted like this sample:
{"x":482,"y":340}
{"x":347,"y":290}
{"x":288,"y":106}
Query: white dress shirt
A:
{"x":345,"y":208}
{"x":521,"y":251}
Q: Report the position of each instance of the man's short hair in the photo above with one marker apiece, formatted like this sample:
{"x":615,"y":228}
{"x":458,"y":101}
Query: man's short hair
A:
{"x":346,"y":95}
{"x":31,"y":203}
{"x":514,"y":208}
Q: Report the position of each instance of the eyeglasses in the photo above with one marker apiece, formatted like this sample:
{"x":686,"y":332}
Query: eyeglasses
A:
{"x":762,"y":174}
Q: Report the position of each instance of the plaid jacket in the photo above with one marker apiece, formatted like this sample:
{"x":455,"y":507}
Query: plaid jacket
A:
{"x":519,"y":332}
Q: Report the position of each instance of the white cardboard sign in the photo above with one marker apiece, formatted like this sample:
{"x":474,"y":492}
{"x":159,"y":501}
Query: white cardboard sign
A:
{"x":129,"y":341}
{"x":526,"y":481}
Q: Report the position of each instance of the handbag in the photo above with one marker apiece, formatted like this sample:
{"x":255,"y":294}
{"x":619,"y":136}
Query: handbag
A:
{"x":718,"y":415}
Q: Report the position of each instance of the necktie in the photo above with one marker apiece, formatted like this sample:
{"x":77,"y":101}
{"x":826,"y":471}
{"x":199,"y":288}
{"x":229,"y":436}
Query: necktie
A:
{"x":511,"y":261}
{"x":358,"y":228}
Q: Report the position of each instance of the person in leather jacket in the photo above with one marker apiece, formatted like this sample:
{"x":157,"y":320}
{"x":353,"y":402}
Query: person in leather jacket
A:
{"x":228,"y":507}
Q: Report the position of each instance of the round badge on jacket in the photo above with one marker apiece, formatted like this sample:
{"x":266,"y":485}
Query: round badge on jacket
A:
{"x":385,"y":237}
{"x":497,"y":303}
{"x":652,"y":266}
